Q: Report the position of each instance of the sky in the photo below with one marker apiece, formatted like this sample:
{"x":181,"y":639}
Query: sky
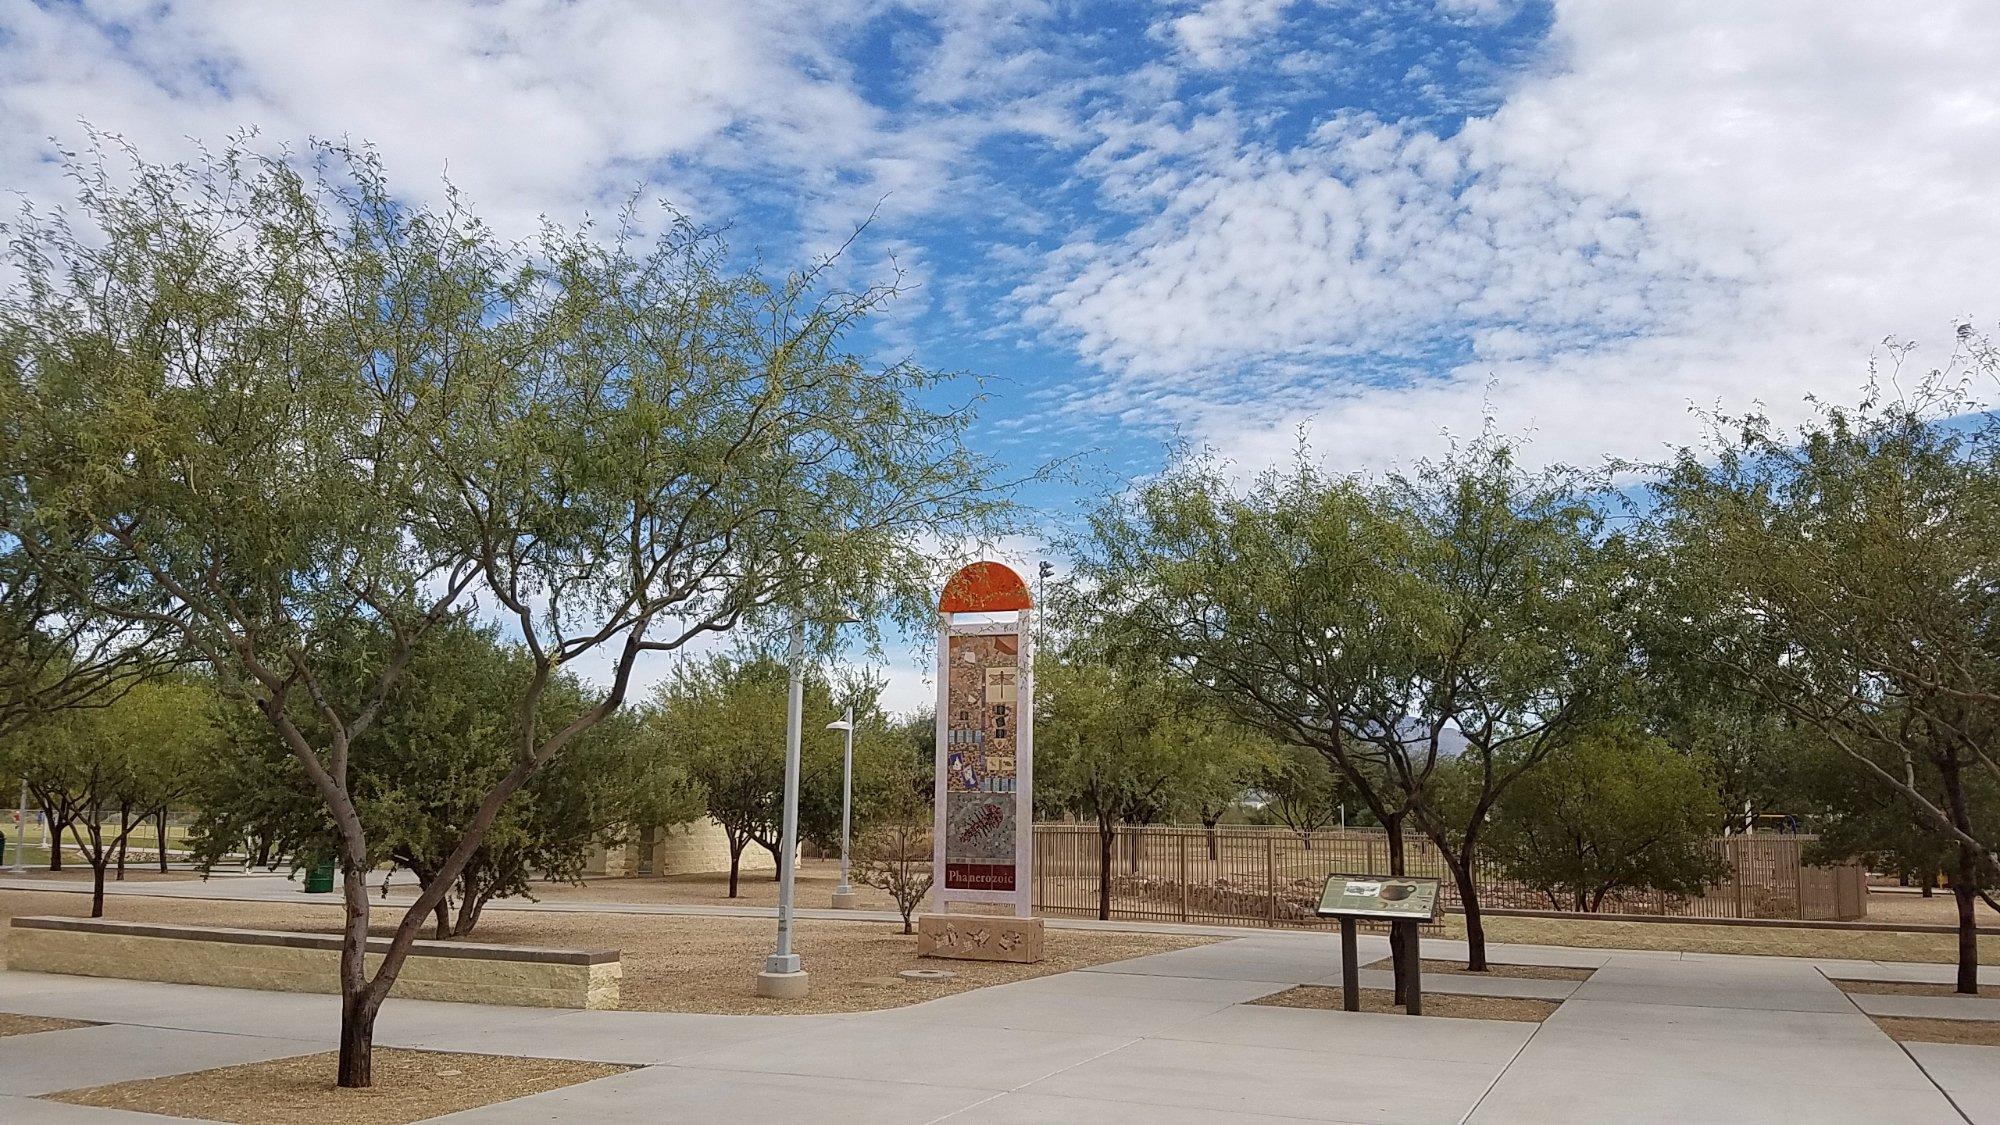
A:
{"x":1227,"y":223}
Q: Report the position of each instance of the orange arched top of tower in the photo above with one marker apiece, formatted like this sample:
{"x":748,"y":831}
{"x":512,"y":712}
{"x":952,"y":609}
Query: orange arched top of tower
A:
{"x":985,"y":587}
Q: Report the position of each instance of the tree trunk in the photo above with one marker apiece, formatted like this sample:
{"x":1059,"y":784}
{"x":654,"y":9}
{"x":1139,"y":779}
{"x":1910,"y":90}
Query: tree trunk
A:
{"x":441,"y":920}
{"x":1103,"y":868}
{"x":56,"y":829}
{"x":358,"y":1003}
{"x":1392,"y":828}
{"x":472,"y":900}
{"x":357,"y":1042}
{"x":736,"y":846}
{"x":1964,"y":892}
{"x":1475,"y":926}
{"x":124,"y":835}
{"x":1212,"y":856}
{"x":95,"y":855}
{"x":160,"y":821}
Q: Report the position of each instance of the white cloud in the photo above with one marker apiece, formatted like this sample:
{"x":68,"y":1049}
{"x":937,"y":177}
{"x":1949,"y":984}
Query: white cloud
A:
{"x":1698,"y":204}
{"x":1214,"y":31}
{"x":531,"y":105}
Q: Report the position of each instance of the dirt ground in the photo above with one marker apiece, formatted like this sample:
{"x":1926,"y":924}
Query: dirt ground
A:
{"x":1446,"y":1005}
{"x":408,"y":1086}
{"x":1496,"y":969}
{"x":77,"y":871}
{"x":813,"y":889}
{"x":1978,"y":1033}
{"x":682,"y":964}
{"x":11,"y":1024}
{"x":1908,"y":988}
{"x":1912,"y":908}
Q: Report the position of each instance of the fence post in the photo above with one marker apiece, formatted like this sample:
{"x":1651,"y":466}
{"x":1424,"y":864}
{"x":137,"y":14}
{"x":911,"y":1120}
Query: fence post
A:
{"x":1184,"y":875}
{"x":1270,"y":879}
{"x":1736,"y":861}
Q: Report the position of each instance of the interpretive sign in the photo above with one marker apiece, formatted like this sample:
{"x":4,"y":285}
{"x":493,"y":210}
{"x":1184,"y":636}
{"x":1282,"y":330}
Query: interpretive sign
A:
{"x":1379,"y":896}
{"x":1405,"y":903}
{"x":985,"y":740}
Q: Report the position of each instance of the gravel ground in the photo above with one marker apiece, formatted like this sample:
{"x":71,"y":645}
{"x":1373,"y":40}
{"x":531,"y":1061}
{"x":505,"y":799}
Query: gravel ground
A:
{"x":408,"y":1086}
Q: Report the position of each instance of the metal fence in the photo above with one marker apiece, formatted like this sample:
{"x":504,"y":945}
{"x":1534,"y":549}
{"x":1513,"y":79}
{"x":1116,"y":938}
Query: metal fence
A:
{"x":1273,"y":876}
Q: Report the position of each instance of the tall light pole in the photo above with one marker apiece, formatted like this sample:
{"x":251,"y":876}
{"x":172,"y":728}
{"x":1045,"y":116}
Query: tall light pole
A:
{"x":843,"y":895}
{"x":21,"y":834}
{"x":783,"y":978}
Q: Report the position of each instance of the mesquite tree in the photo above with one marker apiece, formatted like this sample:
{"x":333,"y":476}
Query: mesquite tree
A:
{"x":1463,"y":615}
{"x":1848,"y":575}
{"x":264,"y":410}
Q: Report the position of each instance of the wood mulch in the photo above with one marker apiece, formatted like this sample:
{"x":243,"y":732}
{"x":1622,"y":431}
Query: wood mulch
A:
{"x":1495,"y":969}
{"x":1907,"y":988}
{"x":1907,"y":1029}
{"x":408,"y":1086}
{"x":11,"y":1024}
{"x":1445,"y":1005}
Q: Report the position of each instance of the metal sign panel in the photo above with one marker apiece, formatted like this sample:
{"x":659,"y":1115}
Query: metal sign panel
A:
{"x":983,"y":841}
{"x":1399,"y":897}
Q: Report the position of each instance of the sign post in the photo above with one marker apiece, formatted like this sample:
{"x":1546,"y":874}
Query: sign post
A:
{"x":982,"y":844}
{"x":1405,"y":903}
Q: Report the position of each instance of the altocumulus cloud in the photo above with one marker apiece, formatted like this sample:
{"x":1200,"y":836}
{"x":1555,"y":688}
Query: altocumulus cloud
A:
{"x":1673,"y":203}
{"x":1228,"y":217}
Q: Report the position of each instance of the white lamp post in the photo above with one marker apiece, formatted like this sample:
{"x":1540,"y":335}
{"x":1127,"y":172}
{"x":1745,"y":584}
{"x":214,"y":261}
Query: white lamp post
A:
{"x":843,"y":895}
{"x":21,"y":835}
{"x":783,"y":978}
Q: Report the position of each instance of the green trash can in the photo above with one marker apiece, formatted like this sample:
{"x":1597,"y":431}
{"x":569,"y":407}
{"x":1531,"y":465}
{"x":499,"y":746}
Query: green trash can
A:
{"x":319,"y":878}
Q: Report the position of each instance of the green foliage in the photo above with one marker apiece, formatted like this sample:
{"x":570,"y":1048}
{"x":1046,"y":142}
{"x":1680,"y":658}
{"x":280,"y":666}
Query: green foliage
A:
{"x":1299,"y":790}
{"x":1848,"y":575}
{"x":894,"y":854}
{"x":126,"y":759}
{"x":443,"y":738}
{"x":265,"y":407}
{"x":1108,"y":744}
{"x":1613,"y":811}
{"x":1467,"y":615}
{"x":722,"y":721}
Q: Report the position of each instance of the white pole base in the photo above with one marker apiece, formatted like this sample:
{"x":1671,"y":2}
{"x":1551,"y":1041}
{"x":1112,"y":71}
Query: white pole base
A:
{"x":844,"y":898}
{"x":782,"y":986}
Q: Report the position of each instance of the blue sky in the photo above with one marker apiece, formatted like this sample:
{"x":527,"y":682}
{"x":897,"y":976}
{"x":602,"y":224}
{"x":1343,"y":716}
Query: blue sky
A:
{"x":1228,"y":221}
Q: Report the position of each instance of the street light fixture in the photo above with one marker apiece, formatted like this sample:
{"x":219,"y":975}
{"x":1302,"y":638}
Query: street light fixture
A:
{"x":843,"y":895}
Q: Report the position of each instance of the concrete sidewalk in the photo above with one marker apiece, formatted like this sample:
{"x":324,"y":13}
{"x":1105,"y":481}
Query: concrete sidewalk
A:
{"x":1161,"y":1039}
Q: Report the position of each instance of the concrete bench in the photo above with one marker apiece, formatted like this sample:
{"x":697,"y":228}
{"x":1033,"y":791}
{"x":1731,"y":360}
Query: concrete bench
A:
{"x":292,"y":962}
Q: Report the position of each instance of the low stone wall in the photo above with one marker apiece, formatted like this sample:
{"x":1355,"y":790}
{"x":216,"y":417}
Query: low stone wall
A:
{"x":289,"y":962}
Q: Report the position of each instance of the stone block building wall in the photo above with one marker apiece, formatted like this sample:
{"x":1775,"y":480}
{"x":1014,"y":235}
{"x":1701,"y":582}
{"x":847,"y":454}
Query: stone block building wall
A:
{"x":676,"y":849}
